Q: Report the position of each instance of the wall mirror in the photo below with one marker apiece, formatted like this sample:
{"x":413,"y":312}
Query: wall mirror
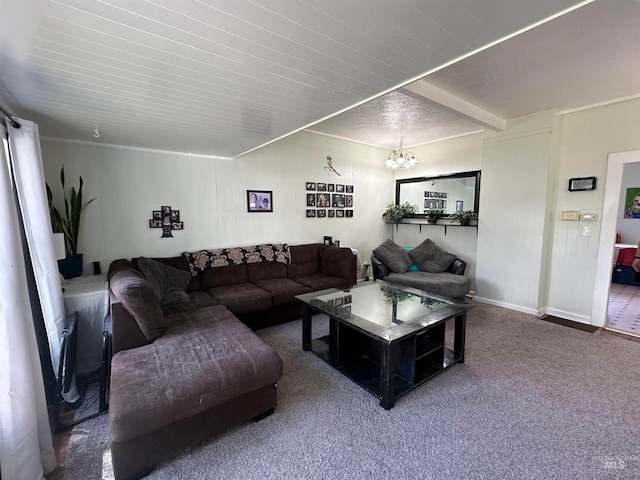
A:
{"x":451,"y":193}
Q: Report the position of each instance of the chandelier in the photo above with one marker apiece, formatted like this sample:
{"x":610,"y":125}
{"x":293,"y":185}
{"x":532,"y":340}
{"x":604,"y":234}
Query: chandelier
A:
{"x":400,"y":159}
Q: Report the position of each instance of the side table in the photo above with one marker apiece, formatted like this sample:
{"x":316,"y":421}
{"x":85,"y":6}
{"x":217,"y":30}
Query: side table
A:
{"x":89,"y":296}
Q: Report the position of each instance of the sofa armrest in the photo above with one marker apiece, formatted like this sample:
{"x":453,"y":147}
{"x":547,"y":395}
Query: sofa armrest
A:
{"x":458,"y":267}
{"x":379,"y":270}
{"x":339,"y":262}
{"x":125,"y":332}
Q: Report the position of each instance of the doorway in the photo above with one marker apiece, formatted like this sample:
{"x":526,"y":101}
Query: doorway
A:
{"x":613,"y":305}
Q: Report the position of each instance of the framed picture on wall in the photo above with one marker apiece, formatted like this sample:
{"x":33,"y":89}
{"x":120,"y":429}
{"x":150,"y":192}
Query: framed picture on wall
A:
{"x":311,"y":185}
{"x":337,"y":200}
{"x":311,"y":199}
{"x":311,"y":213}
{"x":259,"y":201}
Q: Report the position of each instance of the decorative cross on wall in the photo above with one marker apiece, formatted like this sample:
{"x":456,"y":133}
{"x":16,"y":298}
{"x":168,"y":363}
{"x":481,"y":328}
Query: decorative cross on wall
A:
{"x":167,"y":220}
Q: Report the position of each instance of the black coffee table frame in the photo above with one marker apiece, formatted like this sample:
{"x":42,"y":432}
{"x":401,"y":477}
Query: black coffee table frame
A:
{"x":387,"y":367}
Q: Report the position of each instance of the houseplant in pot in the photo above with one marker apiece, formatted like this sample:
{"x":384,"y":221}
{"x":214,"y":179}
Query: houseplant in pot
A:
{"x":395,"y":213}
{"x":433,"y":214}
{"x":465,"y":217}
{"x":69,"y":225}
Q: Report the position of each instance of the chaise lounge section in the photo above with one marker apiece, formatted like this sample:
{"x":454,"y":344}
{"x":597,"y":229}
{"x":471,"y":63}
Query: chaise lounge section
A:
{"x":426,"y":267}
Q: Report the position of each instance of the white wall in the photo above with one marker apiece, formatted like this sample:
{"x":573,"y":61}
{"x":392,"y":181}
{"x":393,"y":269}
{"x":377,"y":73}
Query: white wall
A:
{"x":211,"y":196}
{"x":588,"y":136}
{"x":511,"y":224}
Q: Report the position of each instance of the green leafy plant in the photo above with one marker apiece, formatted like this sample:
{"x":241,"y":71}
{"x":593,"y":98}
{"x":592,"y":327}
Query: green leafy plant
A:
{"x":69,"y":224}
{"x":465,"y":217}
{"x":433,"y":214}
{"x":395,"y":213}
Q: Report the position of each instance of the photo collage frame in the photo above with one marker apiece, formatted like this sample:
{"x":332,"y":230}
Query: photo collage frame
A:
{"x":329,"y":200}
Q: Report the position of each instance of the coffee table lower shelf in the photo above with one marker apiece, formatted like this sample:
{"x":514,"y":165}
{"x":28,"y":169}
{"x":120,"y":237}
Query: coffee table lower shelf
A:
{"x":365,"y":371}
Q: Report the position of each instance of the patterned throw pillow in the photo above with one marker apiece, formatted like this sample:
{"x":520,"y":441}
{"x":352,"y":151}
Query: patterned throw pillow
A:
{"x":431,"y":258}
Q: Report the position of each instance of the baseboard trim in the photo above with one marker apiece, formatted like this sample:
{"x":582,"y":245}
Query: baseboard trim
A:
{"x":510,"y":306}
{"x":568,"y":316}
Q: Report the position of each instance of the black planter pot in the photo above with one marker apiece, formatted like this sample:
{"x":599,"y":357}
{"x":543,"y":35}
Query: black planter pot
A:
{"x":71,"y":266}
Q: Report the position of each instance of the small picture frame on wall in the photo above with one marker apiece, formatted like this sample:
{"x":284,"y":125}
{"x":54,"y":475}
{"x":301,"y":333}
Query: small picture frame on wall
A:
{"x":337,"y":200}
{"x":321,"y":213}
{"x":340,"y":188}
{"x":328,"y":240}
{"x":459,"y":205}
{"x":330,"y":187}
{"x":348,"y":213}
{"x":311,"y":199}
{"x":311,"y":213}
{"x":311,"y":186}
{"x":323,"y":200}
{"x":349,"y":188}
{"x":331,"y":213}
{"x":321,"y":187}
{"x":340,"y":213}
{"x":259,"y":201}
{"x":157,"y":215}
{"x":582,"y":184}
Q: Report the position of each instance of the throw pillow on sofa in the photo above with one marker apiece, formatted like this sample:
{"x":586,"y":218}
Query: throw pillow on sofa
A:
{"x":138,"y":298}
{"x":168,"y":283}
{"x":393,"y":256}
{"x":431,"y":258}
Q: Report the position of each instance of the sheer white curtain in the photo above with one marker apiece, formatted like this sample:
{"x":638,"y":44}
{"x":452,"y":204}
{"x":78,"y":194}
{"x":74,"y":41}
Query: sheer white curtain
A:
{"x":26,"y":449}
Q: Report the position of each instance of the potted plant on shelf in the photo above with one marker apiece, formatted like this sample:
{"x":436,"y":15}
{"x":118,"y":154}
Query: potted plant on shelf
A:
{"x":395,"y":213}
{"x":465,"y":217}
{"x":69,"y":225}
{"x":433,"y":214}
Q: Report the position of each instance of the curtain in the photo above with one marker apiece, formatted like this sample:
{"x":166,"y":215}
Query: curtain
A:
{"x":26,"y":448}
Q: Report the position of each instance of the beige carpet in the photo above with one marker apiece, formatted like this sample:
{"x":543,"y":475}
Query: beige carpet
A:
{"x":623,"y":313}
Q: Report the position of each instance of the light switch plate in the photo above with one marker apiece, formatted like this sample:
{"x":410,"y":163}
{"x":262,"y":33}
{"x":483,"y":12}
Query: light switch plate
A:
{"x":570,"y":215}
{"x":589,"y":217}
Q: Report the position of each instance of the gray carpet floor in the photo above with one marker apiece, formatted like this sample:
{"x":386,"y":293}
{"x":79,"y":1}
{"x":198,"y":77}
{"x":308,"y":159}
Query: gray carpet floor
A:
{"x":534,"y":400}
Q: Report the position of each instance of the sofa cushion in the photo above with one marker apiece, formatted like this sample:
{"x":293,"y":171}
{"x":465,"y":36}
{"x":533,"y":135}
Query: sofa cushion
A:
{"x":168,"y":283}
{"x":445,"y":283}
{"x":242,"y":298}
{"x":266,"y":270}
{"x":320,"y":281}
{"x":282,"y":290}
{"x":393,"y":256}
{"x":207,"y":357}
{"x":305,"y":260}
{"x":196,"y":300}
{"x":220,"y":277}
{"x":431,"y":258}
{"x":138,"y":298}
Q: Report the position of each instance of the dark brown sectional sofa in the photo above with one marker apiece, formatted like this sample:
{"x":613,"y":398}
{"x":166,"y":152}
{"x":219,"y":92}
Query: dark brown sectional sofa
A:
{"x":187,"y":368}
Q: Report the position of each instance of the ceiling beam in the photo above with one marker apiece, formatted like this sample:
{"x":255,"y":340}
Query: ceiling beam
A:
{"x":422,"y":90}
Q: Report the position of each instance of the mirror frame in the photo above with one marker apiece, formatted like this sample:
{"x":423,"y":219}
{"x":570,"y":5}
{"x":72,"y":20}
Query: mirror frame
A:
{"x":471,"y":174}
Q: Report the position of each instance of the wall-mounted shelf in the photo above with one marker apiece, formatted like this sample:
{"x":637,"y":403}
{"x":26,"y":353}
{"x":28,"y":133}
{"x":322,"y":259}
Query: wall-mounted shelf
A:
{"x":420,"y":224}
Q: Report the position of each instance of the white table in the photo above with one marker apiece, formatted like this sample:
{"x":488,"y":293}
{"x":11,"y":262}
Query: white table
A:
{"x":89,"y":296}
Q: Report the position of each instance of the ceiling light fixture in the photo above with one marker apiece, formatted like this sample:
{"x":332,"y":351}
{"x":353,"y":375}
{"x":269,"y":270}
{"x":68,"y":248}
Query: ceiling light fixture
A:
{"x":399,"y":159}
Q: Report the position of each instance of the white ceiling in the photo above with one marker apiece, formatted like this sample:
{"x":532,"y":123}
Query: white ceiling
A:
{"x":223,"y":77}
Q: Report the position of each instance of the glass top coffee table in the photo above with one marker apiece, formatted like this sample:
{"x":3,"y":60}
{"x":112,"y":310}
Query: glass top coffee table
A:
{"x":386,"y":337}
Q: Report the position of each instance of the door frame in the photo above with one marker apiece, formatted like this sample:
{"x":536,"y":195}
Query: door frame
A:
{"x":606,"y":249}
